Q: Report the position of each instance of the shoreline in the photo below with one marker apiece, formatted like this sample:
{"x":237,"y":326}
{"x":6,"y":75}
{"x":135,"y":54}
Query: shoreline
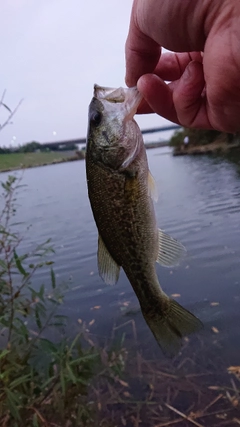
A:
{"x":80,"y":155}
{"x":216,"y":147}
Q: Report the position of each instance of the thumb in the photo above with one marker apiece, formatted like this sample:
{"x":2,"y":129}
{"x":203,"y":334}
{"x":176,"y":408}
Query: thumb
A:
{"x":188,"y":97}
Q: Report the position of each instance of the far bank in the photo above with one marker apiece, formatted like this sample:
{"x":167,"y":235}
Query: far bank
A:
{"x":24,"y":160}
{"x":200,"y":141}
{"x":15,"y":161}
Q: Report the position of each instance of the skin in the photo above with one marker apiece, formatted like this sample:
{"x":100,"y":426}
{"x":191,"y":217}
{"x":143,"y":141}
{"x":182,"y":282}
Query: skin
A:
{"x":204,"y":89}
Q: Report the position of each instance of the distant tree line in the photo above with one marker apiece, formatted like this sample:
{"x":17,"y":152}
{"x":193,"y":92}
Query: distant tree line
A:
{"x":32,"y":147}
{"x":199,"y":137}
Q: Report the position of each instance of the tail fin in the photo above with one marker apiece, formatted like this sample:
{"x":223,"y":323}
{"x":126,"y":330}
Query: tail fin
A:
{"x":169,"y":323}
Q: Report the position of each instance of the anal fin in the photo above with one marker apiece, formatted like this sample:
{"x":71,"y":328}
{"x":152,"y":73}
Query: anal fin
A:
{"x":107,"y":267}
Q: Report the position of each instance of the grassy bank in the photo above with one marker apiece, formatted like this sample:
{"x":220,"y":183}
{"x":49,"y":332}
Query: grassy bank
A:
{"x":14,"y":161}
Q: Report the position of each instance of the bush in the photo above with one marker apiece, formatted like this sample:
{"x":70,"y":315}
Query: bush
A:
{"x":196,"y":137}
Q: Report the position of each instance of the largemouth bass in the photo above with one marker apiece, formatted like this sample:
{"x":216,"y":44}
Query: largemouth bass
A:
{"x":121,"y":192}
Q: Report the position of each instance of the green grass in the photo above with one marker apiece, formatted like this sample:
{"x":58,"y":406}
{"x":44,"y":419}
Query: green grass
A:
{"x":26,"y":160}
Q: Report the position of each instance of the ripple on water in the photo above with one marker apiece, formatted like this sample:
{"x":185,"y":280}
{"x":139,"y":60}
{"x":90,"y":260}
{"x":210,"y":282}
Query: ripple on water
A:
{"x":199,"y":204}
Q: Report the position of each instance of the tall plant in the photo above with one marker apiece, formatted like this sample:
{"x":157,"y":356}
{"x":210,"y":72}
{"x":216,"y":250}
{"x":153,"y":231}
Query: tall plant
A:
{"x":33,"y":369}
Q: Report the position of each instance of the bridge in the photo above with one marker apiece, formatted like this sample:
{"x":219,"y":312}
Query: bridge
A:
{"x":71,"y":143}
{"x":161,"y":129}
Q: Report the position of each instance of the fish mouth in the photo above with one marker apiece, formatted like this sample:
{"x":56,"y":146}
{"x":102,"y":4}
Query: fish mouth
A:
{"x":110,"y":94}
{"x":130,"y":97}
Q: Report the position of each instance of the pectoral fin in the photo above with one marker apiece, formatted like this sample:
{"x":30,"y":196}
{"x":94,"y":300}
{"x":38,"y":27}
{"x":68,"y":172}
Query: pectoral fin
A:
{"x":170,"y":251}
{"x":107,"y":267}
{"x":152,"y":187}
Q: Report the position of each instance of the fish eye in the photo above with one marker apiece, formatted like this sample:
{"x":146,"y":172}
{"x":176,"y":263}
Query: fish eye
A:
{"x":96,"y":117}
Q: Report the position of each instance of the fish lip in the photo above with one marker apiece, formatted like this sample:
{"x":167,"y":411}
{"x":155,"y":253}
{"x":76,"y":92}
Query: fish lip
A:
{"x":109,"y":93}
{"x":129,"y":97}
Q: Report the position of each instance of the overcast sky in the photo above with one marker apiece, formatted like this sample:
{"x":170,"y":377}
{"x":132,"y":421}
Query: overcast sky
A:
{"x":52,"y":52}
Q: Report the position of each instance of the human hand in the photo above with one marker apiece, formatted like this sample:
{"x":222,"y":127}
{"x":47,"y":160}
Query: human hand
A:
{"x":204,"y":90}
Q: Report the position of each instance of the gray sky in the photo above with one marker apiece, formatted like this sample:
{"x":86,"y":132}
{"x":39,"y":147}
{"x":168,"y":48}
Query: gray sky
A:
{"x":52,"y":52}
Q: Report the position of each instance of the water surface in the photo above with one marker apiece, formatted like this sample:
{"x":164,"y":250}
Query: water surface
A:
{"x":199,"y":204}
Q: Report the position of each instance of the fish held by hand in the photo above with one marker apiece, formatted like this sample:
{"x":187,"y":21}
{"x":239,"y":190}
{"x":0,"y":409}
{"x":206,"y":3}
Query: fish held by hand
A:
{"x":121,"y":192}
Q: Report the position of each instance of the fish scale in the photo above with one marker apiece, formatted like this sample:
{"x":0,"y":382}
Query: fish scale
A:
{"x":121,"y":192}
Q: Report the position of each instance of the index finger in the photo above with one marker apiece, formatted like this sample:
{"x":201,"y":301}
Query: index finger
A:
{"x":141,"y":52}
